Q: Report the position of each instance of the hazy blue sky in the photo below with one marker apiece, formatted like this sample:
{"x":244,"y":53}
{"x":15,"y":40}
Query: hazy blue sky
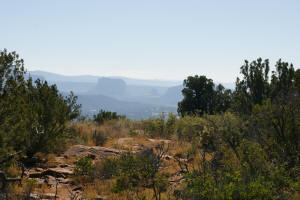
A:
{"x":165,"y":39}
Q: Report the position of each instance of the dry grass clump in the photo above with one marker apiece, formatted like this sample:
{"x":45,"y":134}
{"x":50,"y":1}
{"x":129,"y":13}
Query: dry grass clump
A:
{"x":49,"y":160}
{"x":26,"y":188}
{"x":129,"y":143}
{"x":13,"y":171}
{"x":109,"y":130}
{"x":89,"y":192}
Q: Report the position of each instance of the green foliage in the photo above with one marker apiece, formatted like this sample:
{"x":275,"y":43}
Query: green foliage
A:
{"x":13,"y":108}
{"x":142,"y":198}
{"x":188,"y":128}
{"x":103,"y":116}
{"x":170,"y":125}
{"x":277,"y":129}
{"x":52,"y":112}
{"x":134,"y":172}
{"x":33,"y":115}
{"x":154,"y":127}
{"x":83,"y":166}
{"x":251,"y":153}
{"x":250,"y":160}
{"x":297,"y":80}
{"x":282,"y":79}
{"x":255,"y":87}
{"x":202,"y":97}
{"x":108,"y":168}
{"x":160,"y":127}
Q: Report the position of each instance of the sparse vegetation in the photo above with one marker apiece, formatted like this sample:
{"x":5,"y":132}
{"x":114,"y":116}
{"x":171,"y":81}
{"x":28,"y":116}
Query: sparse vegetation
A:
{"x":225,"y":145}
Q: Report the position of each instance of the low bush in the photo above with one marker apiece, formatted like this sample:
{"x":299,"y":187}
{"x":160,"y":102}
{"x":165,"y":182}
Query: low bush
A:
{"x":83,"y":166}
{"x":103,"y":116}
{"x":159,"y":127}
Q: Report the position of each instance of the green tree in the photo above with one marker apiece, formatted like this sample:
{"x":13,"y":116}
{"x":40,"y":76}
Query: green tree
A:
{"x":277,"y":128}
{"x":254,"y":87}
{"x":33,"y":115}
{"x":13,"y":106}
{"x":297,"y":80}
{"x":50,"y":112}
{"x":201,"y":96}
{"x":282,"y":79}
{"x":222,"y":99}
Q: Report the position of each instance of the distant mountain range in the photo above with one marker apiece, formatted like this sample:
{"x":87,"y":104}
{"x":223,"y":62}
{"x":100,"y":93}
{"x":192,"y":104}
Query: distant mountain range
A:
{"x":94,"y":79}
{"x":135,"y":98}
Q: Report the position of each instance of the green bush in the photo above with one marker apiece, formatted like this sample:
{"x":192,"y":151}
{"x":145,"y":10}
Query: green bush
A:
{"x":188,"y":128}
{"x":108,"y":168}
{"x":83,"y":167}
{"x":134,"y":172}
{"x":160,"y":127}
{"x":103,"y":116}
{"x":33,"y":115}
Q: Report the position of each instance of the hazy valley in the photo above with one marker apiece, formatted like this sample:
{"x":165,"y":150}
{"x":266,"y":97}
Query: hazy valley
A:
{"x":135,"y":98}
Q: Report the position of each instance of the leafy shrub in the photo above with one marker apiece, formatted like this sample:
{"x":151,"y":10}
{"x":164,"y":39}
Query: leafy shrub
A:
{"x":159,"y":127}
{"x":33,"y":115}
{"x":108,"y":168}
{"x":133,"y":172}
{"x":83,"y":166}
{"x":103,"y":116}
{"x":189,"y":127}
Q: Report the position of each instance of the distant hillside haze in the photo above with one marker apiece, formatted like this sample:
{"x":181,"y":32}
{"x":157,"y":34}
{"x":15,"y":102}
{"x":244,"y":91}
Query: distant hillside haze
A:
{"x":109,"y":87}
{"x":91,"y":104}
{"x":135,"y":98}
{"x":57,"y":77}
{"x":94,"y":79}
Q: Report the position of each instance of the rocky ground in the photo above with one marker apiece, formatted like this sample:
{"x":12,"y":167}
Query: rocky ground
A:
{"x":58,"y":177}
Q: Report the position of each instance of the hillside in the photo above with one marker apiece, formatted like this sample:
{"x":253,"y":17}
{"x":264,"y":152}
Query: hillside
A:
{"x":241,"y":144}
{"x":135,"y":98}
{"x":91,"y":104}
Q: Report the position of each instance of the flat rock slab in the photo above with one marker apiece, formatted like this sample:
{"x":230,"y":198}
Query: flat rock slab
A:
{"x":159,"y":141}
{"x":99,"y":152}
{"x":55,"y":172}
{"x":43,"y":196}
{"x":58,"y":172}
